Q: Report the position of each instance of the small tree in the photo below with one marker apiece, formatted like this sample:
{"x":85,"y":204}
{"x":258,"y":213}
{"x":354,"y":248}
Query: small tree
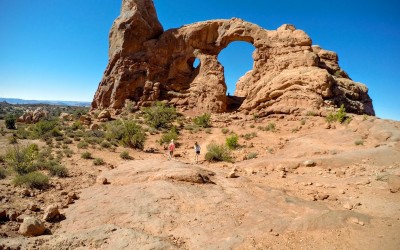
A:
{"x":159,"y":115}
{"x":10,"y":122}
{"x":232,"y":141}
{"x":203,"y":120}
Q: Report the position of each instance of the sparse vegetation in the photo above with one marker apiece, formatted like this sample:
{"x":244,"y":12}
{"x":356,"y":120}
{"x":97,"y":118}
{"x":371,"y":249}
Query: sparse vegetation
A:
{"x":232,"y":141}
{"x":45,"y":129}
{"x":128,"y":133}
{"x":217,"y":152}
{"x":3,"y":173}
{"x":224,"y":131}
{"x":339,"y":116}
{"x":86,"y":155}
{"x":251,"y":155}
{"x":98,"y":161}
{"x":55,"y":169}
{"x":22,"y":159}
{"x":249,"y":136}
{"x":10,"y":121}
{"x":32,"y":180}
{"x":203,"y":121}
{"x":359,"y":142}
{"x":270,"y":127}
{"x":167,"y":137}
{"x":159,"y":115}
{"x":83,"y":144}
{"x":125,"y":155}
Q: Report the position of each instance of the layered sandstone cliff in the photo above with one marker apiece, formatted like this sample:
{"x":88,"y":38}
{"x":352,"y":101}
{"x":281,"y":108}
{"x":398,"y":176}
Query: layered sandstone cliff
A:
{"x":289,"y":75}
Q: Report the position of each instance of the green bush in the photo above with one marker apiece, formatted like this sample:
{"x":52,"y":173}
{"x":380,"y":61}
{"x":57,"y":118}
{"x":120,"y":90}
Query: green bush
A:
{"x":159,"y":115}
{"x":86,"y":155}
{"x":270,"y":127}
{"x":128,"y":133}
{"x":232,"y":141}
{"x":32,"y":180}
{"x":46,"y":128}
{"x":98,"y":161}
{"x":359,"y":142}
{"x":249,"y":136}
{"x":105,"y":144}
{"x":251,"y":155}
{"x":10,"y":121}
{"x":76,"y":125}
{"x":3,"y":173}
{"x":339,"y":116}
{"x":224,"y":131}
{"x":22,"y":133}
{"x":216,"y":152}
{"x":12,"y":139}
{"x":83,"y":144}
{"x":167,"y":137}
{"x":203,"y":120}
{"x":55,"y":169}
{"x":22,"y":160}
{"x":125,"y":155}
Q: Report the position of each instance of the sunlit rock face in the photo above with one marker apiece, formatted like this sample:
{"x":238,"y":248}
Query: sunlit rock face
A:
{"x":289,"y":75}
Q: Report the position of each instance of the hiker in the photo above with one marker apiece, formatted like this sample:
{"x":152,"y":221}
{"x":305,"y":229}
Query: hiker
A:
{"x":171,"y":148}
{"x":197,"y":151}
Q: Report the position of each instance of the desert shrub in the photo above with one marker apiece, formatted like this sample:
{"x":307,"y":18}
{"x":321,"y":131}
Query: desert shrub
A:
{"x":10,"y":121}
{"x":98,"y":161}
{"x":167,"y":137}
{"x":12,"y":139}
{"x":128,"y":133}
{"x":32,"y":180}
{"x":249,"y":136}
{"x":76,"y":125}
{"x":68,"y":152}
{"x":311,"y":113}
{"x":83,"y":144}
{"x":251,"y":155}
{"x":203,"y":120}
{"x":46,"y":128}
{"x":224,"y":131}
{"x":67,"y":141}
{"x":3,"y":173}
{"x":359,"y":142}
{"x":208,"y":131}
{"x":105,"y":144}
{"x":270,"y":127}
{"x":55,"y":169}
{"x":22,"y":160}
{"x":79,"y":112}
{"x":216,"y":152}
{"x":125,"y":155}
{"x":86,"y":155}
{"x":232,"y":141}
{"x":303,"y":121}
{"x":159,"y":115}
{"x":22,"y":133}
{"x":338,"y":116}
{"x":252,"y":126}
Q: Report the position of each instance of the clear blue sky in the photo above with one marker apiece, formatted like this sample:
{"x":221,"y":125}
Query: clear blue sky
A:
{"x":57,"y":49}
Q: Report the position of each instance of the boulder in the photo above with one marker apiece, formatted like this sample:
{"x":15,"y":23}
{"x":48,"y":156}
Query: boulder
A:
{"x":51,"y":213}
{"x":104,"y":115}
{"x":31,"y":227}
{"x":394,"y":183}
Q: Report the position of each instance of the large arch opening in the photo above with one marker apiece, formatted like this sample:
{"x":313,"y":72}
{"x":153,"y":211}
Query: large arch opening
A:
{"x":237,"y":61}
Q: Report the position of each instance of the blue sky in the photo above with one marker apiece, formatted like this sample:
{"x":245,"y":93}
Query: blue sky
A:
{"x":57,"y":49}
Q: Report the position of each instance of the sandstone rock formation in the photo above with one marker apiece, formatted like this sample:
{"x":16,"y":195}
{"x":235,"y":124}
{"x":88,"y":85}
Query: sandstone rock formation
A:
{"x":289,"y":75}
{"x":33,"y":116}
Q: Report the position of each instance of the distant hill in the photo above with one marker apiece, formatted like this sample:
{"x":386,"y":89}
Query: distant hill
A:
{"x":61,"y":103}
